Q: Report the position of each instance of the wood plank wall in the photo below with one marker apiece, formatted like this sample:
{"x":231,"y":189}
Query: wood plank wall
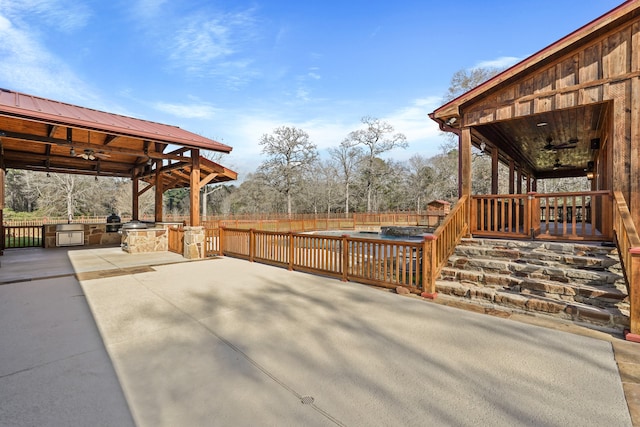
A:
{"x":605,"y":69}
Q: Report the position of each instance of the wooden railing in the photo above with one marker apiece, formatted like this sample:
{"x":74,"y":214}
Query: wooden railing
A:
{"x":500,"y":215}
{"x":570,"y":216}
{"x":440,"y":245}
{"x":628,"y":243}
{"x":385,"y":263}
{"x":27,"y":236}
{"x":361,"y":220}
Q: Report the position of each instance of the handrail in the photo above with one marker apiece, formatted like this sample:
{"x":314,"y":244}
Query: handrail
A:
{"x":439,"y":246}
{"x":628,"y":243}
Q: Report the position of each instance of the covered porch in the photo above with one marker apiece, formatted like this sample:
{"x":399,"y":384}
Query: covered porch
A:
{"x":49,"y":136}
{"x":571,"y":110}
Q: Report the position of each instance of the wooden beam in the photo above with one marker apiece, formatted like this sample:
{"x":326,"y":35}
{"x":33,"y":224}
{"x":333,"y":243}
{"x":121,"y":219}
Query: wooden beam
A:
{"x":135,"y":195}
{"x":494,"y":170}
{"x":464,"y":160}
{"x":194,"y":185}
{"x":109,"y":139}
{"x":159,"y":192}
{"x":51,"y":130}
{"x":82,"y":146}
{"x":208,"y":179}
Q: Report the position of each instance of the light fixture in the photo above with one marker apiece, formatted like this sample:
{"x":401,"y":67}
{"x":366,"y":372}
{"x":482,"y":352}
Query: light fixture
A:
{"x":590,"y":169}
{"x":451,"y":121}
{"x":541,"y":124}
{"x":483,"y":145}
{"x":149,"y":161}
{"x":72,"y":152}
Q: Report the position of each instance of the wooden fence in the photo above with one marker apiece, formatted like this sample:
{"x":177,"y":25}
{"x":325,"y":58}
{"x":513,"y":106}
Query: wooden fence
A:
{"x":31,"y":236}
{"x":385,"y":263}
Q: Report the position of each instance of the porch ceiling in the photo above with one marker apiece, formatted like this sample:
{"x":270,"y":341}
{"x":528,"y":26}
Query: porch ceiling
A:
{"x":551,"y":144}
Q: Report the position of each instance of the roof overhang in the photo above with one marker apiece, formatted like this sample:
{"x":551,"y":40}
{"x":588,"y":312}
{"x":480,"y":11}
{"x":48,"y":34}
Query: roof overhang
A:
{"x":49,"y":136}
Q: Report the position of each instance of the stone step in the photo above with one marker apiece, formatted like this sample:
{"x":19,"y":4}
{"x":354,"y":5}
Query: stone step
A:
{"x":580,"y":249}
{"x":543,"y":257}
{"x":605,"y":295}
{"x":523,"y":269}
{"x":607,"y":317}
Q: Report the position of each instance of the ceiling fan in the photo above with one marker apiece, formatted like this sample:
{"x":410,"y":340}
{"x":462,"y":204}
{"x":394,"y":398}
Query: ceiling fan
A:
{"x":558,"y":165}
{"x":89,"y":154}
{"x":572,"y":143}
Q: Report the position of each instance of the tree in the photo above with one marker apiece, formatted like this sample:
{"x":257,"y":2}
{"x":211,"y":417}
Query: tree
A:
{"x":464,"y":80}
{"x":346,"y":158}
{"x":420,"y":180}
{"x":290,"y":154}
{"x":376,"y":139}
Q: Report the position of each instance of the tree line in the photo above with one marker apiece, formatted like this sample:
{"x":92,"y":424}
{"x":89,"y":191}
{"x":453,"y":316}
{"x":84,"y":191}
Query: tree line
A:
{"x":292,"y":179}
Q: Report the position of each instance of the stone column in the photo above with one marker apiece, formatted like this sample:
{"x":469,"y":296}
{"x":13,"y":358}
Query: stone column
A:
{"x":194,"y":243}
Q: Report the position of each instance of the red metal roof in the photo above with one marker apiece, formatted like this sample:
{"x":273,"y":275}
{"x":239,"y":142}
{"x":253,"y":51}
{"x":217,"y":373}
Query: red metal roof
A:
{"x":16,"y":104}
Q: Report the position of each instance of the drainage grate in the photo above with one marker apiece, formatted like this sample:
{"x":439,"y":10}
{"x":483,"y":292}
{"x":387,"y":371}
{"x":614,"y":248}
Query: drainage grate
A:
{"x":306,"y":400}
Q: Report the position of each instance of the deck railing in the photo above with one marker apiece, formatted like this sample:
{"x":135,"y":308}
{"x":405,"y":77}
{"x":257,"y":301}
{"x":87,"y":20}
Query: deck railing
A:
{"x":26,"y":236}
{"x":443,"y":242}
{"x":628,"y":243}
{"x":571,"y":216}
{"x":377,"y":262}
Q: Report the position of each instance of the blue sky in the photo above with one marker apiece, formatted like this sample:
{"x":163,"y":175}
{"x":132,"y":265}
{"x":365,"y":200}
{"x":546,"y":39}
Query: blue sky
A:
{"x":235,"y":70}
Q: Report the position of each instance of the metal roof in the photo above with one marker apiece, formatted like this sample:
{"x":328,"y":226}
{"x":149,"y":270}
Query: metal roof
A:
{"x":34,"y":108}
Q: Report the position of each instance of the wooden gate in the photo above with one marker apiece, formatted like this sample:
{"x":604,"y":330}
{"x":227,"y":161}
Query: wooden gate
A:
{"x":176,"y":239}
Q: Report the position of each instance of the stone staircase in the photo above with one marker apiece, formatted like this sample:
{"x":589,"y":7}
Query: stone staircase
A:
{"x":573,"y":281}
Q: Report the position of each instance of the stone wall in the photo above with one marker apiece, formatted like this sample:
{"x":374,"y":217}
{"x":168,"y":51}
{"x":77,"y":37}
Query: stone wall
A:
{"x":145,"y":240}
{"x":94,"y":235}
{"x":194,"y":242}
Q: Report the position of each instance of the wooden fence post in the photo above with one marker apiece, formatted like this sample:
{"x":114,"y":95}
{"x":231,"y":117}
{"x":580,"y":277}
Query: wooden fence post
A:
{"x":429,"y":263}
{"x":533,"y":214}
{"x":634,"y":297}
{"x":221,"y":241}
{"x":252,"y":244}
{"x":345,"y":257}
{"x":291,"y":251}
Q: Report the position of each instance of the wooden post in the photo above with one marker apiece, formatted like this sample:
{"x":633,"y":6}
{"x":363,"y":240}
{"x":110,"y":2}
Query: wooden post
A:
{"x":345,"y":257}
{"x":252,"y":244}
{"x":429,"y":267}
{"x":291,"y":251}
{"x":194,"y":185}
{"x":159,"y":191}
{"x":2,"y":205}
{"x":533,"y":214}
{"x":134,"y":197}
{"x":512,"y":176}
{"x":465,"y":167}
{"x":634,"y":297}
{"x":494,"y":170}
{"x":221,"y":241}
{"x":519,"y":181}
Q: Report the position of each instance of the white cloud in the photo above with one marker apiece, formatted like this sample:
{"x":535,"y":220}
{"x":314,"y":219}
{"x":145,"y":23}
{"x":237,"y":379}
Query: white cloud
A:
{"x":28,"y":66}
{"x":501,"y":62}
{"x":63,"y":15}
{"x":187,"y":111}
{"x":204,"y":41}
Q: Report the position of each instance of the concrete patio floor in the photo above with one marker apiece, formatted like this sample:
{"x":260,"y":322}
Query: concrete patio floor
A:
{"x":228,"y":342}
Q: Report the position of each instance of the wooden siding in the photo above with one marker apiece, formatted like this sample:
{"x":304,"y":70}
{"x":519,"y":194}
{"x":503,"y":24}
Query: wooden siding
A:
{"x":578,"y":78}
